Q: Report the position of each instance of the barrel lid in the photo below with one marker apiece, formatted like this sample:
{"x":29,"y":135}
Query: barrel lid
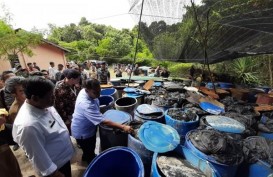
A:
{"x":133,"y":95}
{"x":225,"y":124}
{"x":114,"y":80}
{"x":117,"y":116}
{"x":147,"y":109}
{"x":157,"y":84}
{"x":158,"y":137}
{"x":129,"y":89}
{"x":211,"y":108}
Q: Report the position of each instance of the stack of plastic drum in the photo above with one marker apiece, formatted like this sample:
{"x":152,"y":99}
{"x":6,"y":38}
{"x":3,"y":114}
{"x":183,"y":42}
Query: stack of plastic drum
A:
{"x":116,"y":162}
{"x":110,"y":137}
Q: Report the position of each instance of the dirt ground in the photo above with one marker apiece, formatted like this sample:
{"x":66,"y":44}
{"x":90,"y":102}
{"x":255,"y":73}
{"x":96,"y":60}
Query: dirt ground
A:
{"x":77,"y":167}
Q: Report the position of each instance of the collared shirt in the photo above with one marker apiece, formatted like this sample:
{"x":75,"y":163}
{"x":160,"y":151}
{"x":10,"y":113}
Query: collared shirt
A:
{"x":44,"y":137}
{"x":86,"y":116}
{"x":51,"y":72}
{"x":65,"y":98}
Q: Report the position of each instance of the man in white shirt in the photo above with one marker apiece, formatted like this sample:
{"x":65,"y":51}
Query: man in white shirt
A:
{"x":52,"y":71}
{"x":41,"y":132}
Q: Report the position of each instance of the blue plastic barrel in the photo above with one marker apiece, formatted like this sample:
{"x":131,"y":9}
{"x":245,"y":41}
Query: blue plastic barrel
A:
{"x":260,"y":168}
{"x":145,"y":154}
{"x":110,"y":137}
{"x":222,"y":169}
{"x":106,"y":103}
{"x":110,"y":92}
{"x":266,"y":135}
{"x":181,"y":126}
{"x":116,"y":162}
{"x":197,"y":162}
{"x":203,"y":165}
{"x":225,"y":85}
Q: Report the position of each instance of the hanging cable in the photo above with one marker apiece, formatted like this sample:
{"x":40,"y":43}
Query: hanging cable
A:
{"x":136,"y":49}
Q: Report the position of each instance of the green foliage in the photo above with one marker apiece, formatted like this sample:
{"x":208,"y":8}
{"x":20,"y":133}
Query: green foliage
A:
{"x":179,"y":69}
{"x":244,"y":70}
{"x":13,"y":42}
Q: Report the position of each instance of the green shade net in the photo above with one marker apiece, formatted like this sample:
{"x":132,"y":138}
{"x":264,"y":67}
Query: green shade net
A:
{"x":231,"y":28}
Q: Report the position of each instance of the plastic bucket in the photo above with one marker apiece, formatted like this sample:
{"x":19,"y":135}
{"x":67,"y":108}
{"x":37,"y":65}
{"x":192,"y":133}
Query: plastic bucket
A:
{"x":126,"y":104}
{"x":222,"y":169}
{"x":145,"y":154}
{"x":110,"y":137}
{"x":116,"y":162}
{"x":106,"y":103}
{"x":110,"y":92}
{"x":181,"y":126}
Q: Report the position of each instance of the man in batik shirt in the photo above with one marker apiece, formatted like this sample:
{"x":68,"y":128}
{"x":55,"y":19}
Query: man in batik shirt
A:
{"x":65,"y":94}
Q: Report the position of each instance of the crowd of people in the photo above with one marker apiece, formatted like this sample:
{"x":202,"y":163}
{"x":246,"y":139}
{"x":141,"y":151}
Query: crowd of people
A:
{"x":41,"y":109}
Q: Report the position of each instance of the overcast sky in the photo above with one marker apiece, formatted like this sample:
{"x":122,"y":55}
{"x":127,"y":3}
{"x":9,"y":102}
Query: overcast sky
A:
{"x":27,"y":14}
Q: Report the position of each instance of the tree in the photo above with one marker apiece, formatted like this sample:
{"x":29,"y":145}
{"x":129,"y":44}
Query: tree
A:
{"x":17,"y":41}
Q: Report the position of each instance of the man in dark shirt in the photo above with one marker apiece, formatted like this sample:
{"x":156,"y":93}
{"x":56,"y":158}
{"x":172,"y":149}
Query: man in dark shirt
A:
{"x":103,"y":74}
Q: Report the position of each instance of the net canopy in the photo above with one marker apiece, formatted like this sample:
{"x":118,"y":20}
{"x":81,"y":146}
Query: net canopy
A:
{"x":182,"y":30}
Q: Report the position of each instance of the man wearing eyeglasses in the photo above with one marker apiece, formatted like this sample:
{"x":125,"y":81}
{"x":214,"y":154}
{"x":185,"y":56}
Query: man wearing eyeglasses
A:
{"x":41,"y":132}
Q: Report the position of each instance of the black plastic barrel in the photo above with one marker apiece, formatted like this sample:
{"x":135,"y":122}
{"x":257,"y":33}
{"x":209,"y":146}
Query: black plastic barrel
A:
{"x":126,"y":104}
{"x":110,"y":137}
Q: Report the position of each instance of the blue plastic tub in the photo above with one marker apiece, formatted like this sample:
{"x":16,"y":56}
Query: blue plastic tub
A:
{"x":222,"y":169}
{"x":106,"y":103}
{"x":182,"y":127}
{"x":116,"y":162}
{"x":110,"y":92}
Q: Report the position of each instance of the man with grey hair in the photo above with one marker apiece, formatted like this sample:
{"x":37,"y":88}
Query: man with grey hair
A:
{"x":14,"y":86}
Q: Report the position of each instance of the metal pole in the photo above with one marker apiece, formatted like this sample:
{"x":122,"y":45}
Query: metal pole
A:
{"x":138,"y":35}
